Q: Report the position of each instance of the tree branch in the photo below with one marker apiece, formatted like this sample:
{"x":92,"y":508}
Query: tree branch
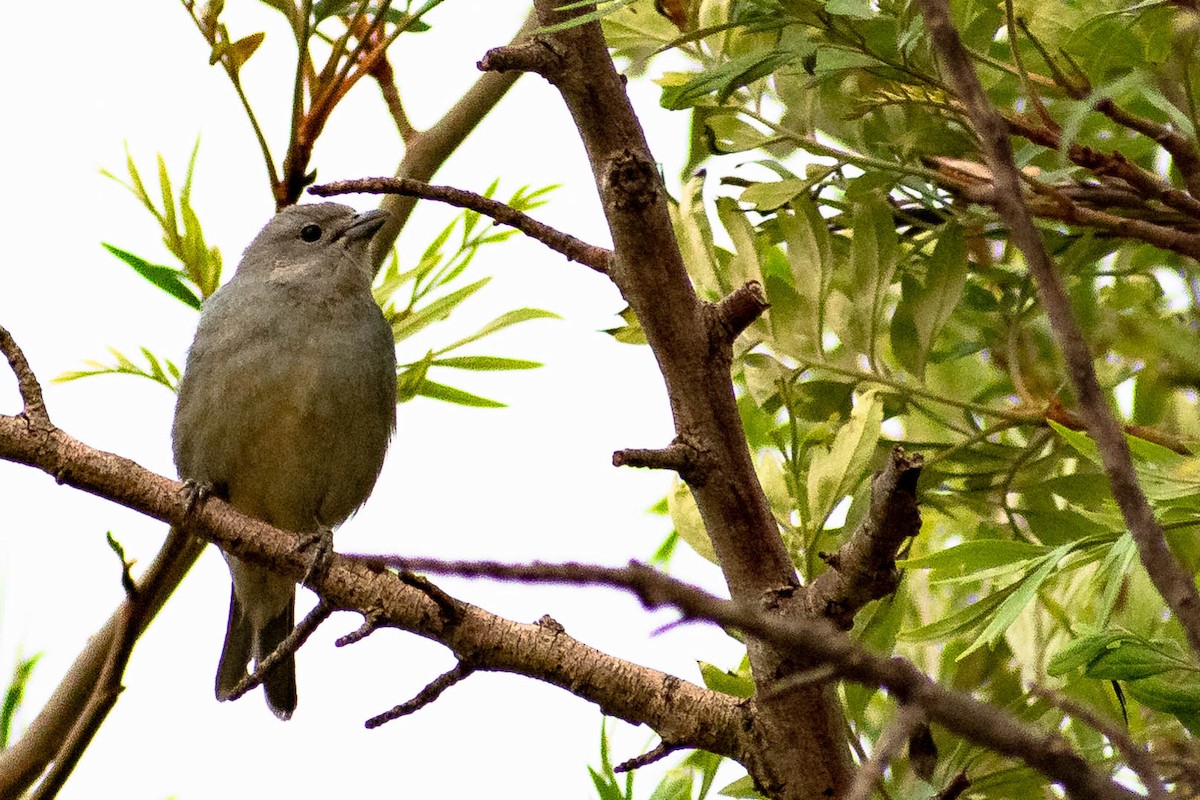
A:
{"x":27,"y":382}
{"x":958,"y":711}
{"x":803,"y":751}
{"x":426,"y":696}
{"x":1172,"y":581}
{"x":678,"y":710}
{"x":571,"y":247}
{"x":864,"y":568}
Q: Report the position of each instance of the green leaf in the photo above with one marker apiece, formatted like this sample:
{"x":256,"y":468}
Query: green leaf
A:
{"x":411,"y":378}
{"x":972,"y":557}
{"x":675,"y":785}
{"x":449,"y":394}
{"x":742,"y":787}
{"x":162,"y":371}
{"x":695,"y":236}
{"x":960,"y":621}
{"x":686,"y":517}
{"x":1024,"y":591}
{"x":501,"y":322}
{"x":930,"y":303}
{"x":835,"y":472}
{"x":745,"y":264}
{"x":725,"y":79}
{"x":810,"y":257}
{"x":873,"y":253}
{"x":774,"y":194}
{"x":164,"y":278}
{"x":731,"y":683}
{"x":1082,"y":651}
{"x":1130,"y":660}
{"x":241,"y":50}
{"x":1175,"y":692}
{"x":486,"y":363}
{"x":629,"y":333}
{"x":405,"y":325}
{"x":14,"y":696}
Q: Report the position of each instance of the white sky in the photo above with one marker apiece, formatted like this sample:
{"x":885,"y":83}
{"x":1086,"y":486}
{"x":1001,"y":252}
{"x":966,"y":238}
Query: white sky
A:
{"x":531,"y":481}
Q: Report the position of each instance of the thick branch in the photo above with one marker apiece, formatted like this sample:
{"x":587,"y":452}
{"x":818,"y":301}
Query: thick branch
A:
{"x":571,"y":247}
{"x":803,"y":751}
{"x":1169,"y":577}
{"x":678,"y":710}
{"x":995,"y":728}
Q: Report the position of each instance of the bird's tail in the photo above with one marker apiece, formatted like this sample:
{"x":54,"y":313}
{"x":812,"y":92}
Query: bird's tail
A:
{"x":242,"y":644}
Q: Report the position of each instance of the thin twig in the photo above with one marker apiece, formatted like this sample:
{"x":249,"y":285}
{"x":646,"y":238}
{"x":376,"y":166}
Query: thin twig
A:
{"x":1172,"y":581}
{"x":428,"y":695}
{"x":574,"y":249}
{"x":660,"y":751}
{"x":887,"y":749}
{"x":290,"y":644}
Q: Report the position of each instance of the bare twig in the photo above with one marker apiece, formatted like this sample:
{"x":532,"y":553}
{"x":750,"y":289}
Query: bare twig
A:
{"x":288,"y":647}
{"x":1182,"y":149}
{"x":369,"y":625}
{"x":676,"y":456}
{"x":27,"y":382}
{"x":660,"y":751}
{"x":428,"y":695}
{"x":571,"y":247}
{"x":887,"y":749}
{"x":738,"y":310}
{"x":1172,"y":581}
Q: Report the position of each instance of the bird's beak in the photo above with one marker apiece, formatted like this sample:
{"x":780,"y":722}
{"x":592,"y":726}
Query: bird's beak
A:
{"x":365,"y":225}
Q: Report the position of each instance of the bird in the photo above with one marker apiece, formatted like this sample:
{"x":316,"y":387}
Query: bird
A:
{"x":286,"y":407}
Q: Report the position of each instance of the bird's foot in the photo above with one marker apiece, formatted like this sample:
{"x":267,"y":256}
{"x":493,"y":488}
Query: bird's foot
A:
{"x":195,"y":493}
{"x":321,"y":541}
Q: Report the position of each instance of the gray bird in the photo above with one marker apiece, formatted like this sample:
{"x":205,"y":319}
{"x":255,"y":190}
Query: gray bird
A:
{"x":286,"y":406}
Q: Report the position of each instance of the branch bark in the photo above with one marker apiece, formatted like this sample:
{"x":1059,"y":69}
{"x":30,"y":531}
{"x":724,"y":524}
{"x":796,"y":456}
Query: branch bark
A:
{"x":803,"y":752}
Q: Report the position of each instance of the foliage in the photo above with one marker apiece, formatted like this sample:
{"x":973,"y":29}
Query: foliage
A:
{"x":901,"y":316}
{"x":14,"y":695}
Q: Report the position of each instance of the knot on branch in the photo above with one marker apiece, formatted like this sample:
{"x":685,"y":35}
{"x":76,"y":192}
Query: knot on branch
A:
{"x":737,"y":311}
{"x":631,"y":182}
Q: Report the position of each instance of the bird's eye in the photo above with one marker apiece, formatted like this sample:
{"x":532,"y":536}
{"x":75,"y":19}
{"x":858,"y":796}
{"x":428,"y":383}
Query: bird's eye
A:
{"x":310,"y":233}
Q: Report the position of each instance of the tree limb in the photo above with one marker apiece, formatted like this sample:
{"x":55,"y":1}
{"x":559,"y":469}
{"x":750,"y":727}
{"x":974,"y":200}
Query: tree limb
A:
{"x":995,"y":728}
{"x":803,"y":751}
{"x":574,"y":249}
{"x":1172,"y":581}
{"x":678,"y":710}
